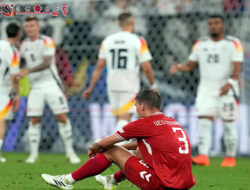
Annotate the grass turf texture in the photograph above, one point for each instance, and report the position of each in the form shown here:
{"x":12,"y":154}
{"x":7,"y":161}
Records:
{"x":17,"y":175}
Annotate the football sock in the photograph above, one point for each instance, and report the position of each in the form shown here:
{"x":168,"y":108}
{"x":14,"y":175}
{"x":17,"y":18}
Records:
{"x":34,"y":137}
{"x":92,"y":167}
{"x":65,"y":130}
{"x":1,"y":144}
{"x":230,"y":138}
{"x":119,"y":176}
{"x":205,"y":126}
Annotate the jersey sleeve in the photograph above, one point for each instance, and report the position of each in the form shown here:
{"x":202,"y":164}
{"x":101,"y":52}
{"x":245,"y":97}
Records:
{"x":101,"y":54}
{"x":136,"y":129}
{"x":15,"y":63}
{"x":238,"y":51}
{"x":194,"y":54}
{"x":144,"y":53}
{"x":49,"y":47}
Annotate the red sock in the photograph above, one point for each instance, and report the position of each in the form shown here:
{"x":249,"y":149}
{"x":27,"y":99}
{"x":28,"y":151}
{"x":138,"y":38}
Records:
{"x":119,"y":176}
{"x":92,"y":167}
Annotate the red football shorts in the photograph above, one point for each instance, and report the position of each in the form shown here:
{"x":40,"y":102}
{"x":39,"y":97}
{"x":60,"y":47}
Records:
{"x":142,"y":175}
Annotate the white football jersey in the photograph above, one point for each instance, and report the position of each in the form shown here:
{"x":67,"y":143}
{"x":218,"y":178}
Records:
{"x":34,"y":52}
{"x":9,"y":64}
{"x":123,"y":52}
{"x":215,"y":59}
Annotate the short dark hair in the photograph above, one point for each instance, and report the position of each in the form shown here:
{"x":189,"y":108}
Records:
{"x":31,"y":18}
{"x":217,"y":16}
{"x":151,"y":98}
{"x":12,"y":30}
{"x":123,"y":17}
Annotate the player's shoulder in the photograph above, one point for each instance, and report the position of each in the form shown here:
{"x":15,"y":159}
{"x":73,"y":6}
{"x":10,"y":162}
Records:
{"x":46,"y":38}
{"x":236,"y":43}
{"x":231,"y":38}
{"x":4,"y":43}
{"x":47,"y":41}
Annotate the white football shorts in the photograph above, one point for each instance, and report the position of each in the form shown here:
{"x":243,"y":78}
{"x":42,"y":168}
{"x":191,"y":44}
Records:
{"x":122,"y":102}
{"x":224,"y":107}
{"x":52,"y":95}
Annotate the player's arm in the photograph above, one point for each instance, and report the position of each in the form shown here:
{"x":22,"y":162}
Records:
{"x":233,"y":81}
{"x":44,"y":65}
{"x":190,"y":65}
{"x":130,"y":146}
{"x":95,"y":77}
{"x":149,"y":73}
{"x":237,"y":58}
{"x":103,"y":144}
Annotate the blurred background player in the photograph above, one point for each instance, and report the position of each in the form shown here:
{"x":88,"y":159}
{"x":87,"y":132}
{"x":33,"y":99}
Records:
{"x":123,"y":53}
{"x":38,"y":52}
{"x":164,"y":146}
{"x":9,"y":67}
{"x":220,"y":59}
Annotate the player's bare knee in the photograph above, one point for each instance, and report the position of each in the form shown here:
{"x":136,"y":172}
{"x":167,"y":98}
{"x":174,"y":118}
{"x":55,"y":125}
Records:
{"x":62,"y":118}
{"x":207,"y":117}
{"x":35,"y":120}
{"x":228,"y":120}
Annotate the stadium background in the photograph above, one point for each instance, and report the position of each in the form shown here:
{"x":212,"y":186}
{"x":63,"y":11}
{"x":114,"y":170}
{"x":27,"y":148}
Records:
{"x":170,"y":28}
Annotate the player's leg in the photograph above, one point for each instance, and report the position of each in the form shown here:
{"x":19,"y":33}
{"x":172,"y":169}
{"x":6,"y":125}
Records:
{"x":58,"y":103}
{"x":229,"y":112}
{"x":2,"y":133}
{"x":92,"y":167}
{"x":6,"y":113}
{"x":206,"y":111}
{"x":65,"y":131}
{"x":34,"y":112}
{"x":111,"y":181}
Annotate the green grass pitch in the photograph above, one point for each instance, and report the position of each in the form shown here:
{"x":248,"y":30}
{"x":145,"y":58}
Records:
{"x":16,"y":175}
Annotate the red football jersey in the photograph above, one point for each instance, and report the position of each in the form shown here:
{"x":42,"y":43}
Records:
{"x":165,"y":147}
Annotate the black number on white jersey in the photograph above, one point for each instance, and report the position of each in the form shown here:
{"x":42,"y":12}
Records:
{"x":32,"y":57}
{"x":213,"y":58}
{"x":119,"y":58}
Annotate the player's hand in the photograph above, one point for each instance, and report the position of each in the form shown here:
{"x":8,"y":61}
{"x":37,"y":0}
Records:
{"x":22,"y":73}
{"x":224,"y":89}
{"x":94,"y":149}
{"x":86,"y":93}
{"x":16,"y":103}
{"x":174,"y":68}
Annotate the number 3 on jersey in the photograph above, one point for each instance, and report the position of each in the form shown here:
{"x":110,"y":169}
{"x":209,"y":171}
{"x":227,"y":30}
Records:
{"x":119,"y":58}
{"x":182,"y":139}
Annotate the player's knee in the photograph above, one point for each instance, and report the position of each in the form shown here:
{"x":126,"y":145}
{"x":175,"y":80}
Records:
{"x":62,"y":118}
{"x":110,"y":153}
{"x":207,"y":117}
{"x":35,"y":120}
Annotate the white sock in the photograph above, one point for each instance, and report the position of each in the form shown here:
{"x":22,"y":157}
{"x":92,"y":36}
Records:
{"x":34,"y":137}
{"x":65,"y":130}
{"x":120,"y":124}
{"x":1,"y":144}
{"x":230,"y":138}
{"x":70,"y":179}
{"x":205,"y":126}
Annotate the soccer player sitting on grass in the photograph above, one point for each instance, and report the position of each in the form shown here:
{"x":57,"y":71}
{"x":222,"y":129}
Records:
{"x":164,"y":146}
